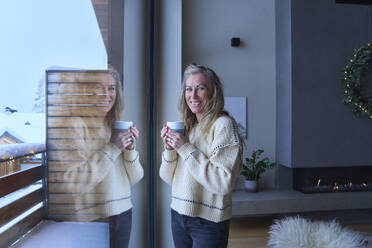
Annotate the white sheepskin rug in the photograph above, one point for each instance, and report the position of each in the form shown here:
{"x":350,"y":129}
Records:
{"x":296,"y":232}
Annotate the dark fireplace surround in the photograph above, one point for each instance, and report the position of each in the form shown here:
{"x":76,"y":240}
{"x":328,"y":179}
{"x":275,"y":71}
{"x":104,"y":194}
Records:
{"x":321,"y":145}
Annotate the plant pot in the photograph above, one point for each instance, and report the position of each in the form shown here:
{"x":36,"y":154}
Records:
{"x":250,"y":186}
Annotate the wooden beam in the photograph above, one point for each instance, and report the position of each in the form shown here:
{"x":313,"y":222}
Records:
{"x":74,"y":156}
{"x":73,"y":177}
{"x":78,"y":77}
{"x":83,"y":88}
{"x":20,"y":179}
{"x":71,"y":122}
{"x":73,"y":188}
{"x":14,"y":209}
{"x":66,"y":199}
{"x":60,"y":166}
{"x":14,"y":233}
{"x":75,"y":144}
{"x":77,"y":99}
{"x":70,"y":133}
{"x":81,"y":111}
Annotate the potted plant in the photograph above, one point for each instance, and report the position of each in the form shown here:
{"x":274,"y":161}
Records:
{"x":253,"y":168}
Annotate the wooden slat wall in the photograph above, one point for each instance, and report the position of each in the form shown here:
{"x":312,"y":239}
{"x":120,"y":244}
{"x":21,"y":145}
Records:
{"x":67,"y":92}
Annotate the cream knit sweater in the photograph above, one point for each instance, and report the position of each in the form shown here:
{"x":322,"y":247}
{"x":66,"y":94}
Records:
{"x":202,"y":172}
{"x":112,"y":194}
{"x":97,"y":187}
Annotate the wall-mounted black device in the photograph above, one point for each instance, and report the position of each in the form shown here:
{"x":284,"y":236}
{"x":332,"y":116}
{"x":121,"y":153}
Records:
{"x":235,"y":42}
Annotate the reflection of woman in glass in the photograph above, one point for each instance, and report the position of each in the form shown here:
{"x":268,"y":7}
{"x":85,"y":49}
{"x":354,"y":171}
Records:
{"x":202,"y":165}
{"x":109,"y":167}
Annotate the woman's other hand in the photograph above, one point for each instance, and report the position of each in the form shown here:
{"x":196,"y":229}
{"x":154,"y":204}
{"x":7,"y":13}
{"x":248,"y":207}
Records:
{"x":175,"y":139}
{"x":135,"y":134}
{"x":163,"y":135}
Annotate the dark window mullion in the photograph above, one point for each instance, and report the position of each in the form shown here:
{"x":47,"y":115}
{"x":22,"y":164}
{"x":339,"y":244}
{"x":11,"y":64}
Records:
{"x":151,"y":57}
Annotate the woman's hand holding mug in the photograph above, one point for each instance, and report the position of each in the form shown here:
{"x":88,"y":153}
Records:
{"x":163,"y":135}
{"x":174,"y":139}
{"x":125,"y":139}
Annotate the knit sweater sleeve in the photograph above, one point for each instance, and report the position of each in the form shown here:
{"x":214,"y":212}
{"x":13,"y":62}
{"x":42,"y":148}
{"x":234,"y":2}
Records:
{"x":218,"y":171}
{"x":93,"y":167}
{"x":168,"y":166}
{"x":132,"y":166}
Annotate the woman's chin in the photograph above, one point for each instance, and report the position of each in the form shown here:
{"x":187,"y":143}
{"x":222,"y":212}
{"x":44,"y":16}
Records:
{"x":105,"y":110}
{"x":196,"y":111}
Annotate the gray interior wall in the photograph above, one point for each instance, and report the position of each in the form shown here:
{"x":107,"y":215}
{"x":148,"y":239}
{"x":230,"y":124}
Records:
{"x":284,"y":81}
{"x":135,"y":102}
{"x":168,"y":82}
{"x":325,"y":133}
{"x":246,"y":71}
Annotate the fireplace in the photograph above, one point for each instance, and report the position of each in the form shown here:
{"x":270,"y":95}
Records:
{"x":332,"y":179}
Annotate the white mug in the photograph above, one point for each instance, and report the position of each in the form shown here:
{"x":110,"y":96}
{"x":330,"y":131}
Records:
{"x":177,"y":126}
{"x":122,"y":125}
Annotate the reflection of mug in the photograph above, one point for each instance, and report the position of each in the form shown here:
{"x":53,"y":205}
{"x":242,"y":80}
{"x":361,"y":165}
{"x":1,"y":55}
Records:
{"x":176,"y":126}
{"x":122,"y":125}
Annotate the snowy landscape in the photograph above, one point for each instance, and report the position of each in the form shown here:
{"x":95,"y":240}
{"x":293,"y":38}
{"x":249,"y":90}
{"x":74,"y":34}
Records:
{"x":42,"y":36}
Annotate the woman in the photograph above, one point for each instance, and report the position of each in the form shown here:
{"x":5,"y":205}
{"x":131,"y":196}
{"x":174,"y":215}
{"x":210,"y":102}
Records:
{"x":202,"y":165}
{"x":109,"y":167}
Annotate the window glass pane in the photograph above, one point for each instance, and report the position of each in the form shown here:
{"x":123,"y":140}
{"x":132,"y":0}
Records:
{"x":38,"y":36}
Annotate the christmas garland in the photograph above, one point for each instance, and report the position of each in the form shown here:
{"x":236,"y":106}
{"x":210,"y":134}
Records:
{"x":360,"y":102}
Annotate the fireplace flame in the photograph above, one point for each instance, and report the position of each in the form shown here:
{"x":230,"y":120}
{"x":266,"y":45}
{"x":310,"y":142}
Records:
{"x":335,"y":186}
{"x":349,"y":185}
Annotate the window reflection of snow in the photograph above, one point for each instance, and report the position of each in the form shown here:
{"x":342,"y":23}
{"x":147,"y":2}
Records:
{"x":45,"y":34}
